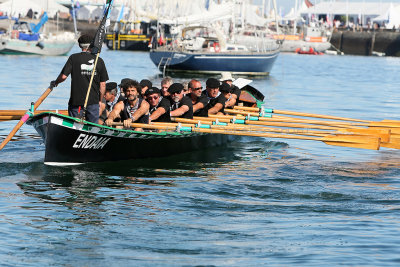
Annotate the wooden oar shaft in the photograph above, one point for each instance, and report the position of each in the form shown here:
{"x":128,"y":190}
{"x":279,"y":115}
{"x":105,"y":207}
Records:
{"x":241,"y":127}
{"x":302,"y":114}
{"x":291,"y":119}
{"x":273,"y":123}
{"x":25,"y":118}
{"x":382,"y":133}
{"x":22,"y":112}
{"x":18,"y":117}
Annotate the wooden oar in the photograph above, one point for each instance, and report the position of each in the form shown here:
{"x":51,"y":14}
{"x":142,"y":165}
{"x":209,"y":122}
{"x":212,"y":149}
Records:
{"x":384,"y":134}
{"x":26,"y":117}
{"x":346,"y":140}
{"x":22,"y":112}
{"x":394,"y":123}
{"x":18,"y":117}
{"x":255,"y":116}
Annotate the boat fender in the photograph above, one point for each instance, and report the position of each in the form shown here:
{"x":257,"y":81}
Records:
{"x":40,"y":45}
{"x":217,"y":48}
{"x":14,"y":34}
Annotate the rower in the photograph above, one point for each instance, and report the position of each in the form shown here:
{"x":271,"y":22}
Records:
{"x":199,"y":101}
{"x":145,"y":84}
{"x":159,"y":106}
{"x":216,"y":101}
{"x":111,"y":98}
{"x":122,"y":86}
{"x":181,"y":106}
{"x":225,"y":90}
{"x":132,"y":109}
{"x":226,"y":77}
{"x":165,"y":84}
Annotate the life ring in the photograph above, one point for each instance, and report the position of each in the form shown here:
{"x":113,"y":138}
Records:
{"x":217,"y":48}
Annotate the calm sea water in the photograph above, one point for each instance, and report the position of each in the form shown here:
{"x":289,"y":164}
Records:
{"x":253,"y":202}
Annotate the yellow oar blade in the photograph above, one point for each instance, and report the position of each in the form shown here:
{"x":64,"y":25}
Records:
{"x":393,"y":143}
{"x":383,"y":134}
{"x":357,"y":141}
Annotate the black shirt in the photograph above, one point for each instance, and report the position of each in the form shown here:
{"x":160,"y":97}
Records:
{"x":236,"y":91}
{"x":200,"y":112}
{"x":212,"y":102}
{"x":80,"y":66}
{"x":164,"y":103}
{"x":185,"y":101}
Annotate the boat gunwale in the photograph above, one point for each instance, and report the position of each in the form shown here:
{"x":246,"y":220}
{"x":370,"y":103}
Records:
{"x":73,"y":119}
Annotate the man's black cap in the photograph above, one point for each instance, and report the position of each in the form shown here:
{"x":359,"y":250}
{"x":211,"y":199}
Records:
{"x":175,"y":88}
{"x":212,"y":83}
{"x":225,"y":88}
{"x":123,"y":81}
{"x":152,"y":90}
{"x":110,"y":86}
{"x":145,"y":82}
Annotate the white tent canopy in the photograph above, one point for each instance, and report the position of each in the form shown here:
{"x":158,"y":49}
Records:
{"x":51,"y":7}
{"x":351,"y":8}
{"x":391,"y":17}
{"x":19,"y":7}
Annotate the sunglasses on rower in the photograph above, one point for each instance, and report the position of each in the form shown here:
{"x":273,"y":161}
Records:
{"x":153,"y":97}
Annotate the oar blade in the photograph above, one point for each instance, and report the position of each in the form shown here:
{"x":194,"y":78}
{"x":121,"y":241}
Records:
{"x":383,"y":134}
{"x":394,"y":142}
{"x":356,"y":141}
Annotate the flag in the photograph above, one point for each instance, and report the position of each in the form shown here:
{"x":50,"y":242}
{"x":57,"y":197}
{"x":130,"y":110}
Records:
{"x":101,"y":31}
{"x":121,"y":13}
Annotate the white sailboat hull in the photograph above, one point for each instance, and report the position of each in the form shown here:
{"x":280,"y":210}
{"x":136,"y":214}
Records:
{"x":55,"y":45}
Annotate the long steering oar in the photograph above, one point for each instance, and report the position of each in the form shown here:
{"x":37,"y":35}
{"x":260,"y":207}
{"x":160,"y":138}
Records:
{"x":27,"y":115}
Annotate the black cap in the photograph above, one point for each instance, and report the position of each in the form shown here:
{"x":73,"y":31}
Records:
{"x":152,"y":90}
{"x":225,"y":88}
{"x":145,"y":82}
{"x":110,"y":86}
{"x":212,"y":83}
{"x":123,"y":81}
{"x":175,"y":88}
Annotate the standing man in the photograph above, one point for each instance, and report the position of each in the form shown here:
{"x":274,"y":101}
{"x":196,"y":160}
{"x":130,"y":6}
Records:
{"x":181,"y":105}
{"x":80,"y":66}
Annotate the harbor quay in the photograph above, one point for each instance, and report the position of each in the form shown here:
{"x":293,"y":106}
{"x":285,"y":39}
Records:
{"x":367,"y":43}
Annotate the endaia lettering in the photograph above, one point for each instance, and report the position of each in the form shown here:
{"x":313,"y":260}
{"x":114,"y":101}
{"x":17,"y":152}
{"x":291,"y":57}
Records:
{"x":86,"y":141}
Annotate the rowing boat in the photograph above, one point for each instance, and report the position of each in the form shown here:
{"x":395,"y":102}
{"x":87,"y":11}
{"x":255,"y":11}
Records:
{"x":68,"y":141}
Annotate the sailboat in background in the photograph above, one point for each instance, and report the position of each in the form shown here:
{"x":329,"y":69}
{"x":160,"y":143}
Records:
{"x":29,"y":38}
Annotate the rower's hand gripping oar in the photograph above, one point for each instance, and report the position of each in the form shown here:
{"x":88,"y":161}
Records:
{"x":27,"y":115}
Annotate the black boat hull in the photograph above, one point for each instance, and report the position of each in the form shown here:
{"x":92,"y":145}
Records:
{"x":69,"y":142}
